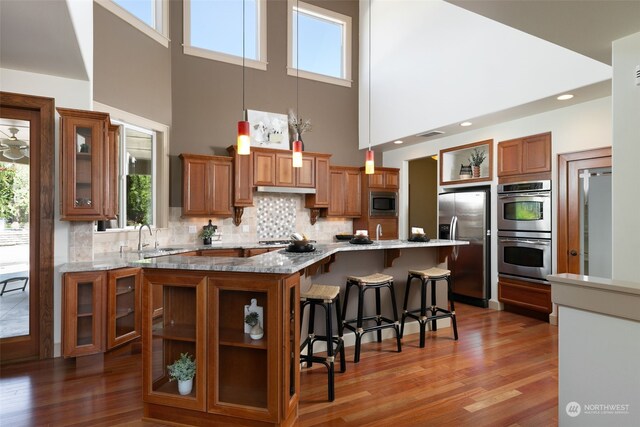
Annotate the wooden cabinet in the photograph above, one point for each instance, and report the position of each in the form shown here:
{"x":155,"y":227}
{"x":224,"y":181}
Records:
{"x":88,"y":166}
{"x":83,"y":307}
{"x":275,"y":168}
{"x":321,"y":198}
{"x":384,"y":178}
{"x":345,"y":192}
{"x":101,"y":310}
{"x":179,"y":326}
{"x":531,"y":154}
{"x":529,"y":297}
{"x":123,"y":306}
{"x":221,"y":252}
{"x":237,"y":378}
{"x":242,"y":178}
{"x":206,"y":185}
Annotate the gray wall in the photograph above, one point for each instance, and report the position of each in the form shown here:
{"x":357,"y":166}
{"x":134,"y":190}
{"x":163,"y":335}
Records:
{"x":132,"y":72}
{"x":207,"y":95}
{"x":423,"y":195}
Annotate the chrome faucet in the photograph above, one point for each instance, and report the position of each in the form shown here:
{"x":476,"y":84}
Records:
{"x":378,"y":231}
{"x":156,"y":244}
{"x":140,"y":245}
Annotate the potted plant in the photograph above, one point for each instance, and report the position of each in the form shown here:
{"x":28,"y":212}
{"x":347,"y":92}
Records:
{"x":253,"y":319}
{"x":183,"y":370}
{"x":206,"y":234}
{"x":476,"y":159}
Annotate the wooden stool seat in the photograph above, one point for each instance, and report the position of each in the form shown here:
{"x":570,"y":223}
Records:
{"x":432,"y":273}
{"x":320,"y":292}
{"x":372,"y":279}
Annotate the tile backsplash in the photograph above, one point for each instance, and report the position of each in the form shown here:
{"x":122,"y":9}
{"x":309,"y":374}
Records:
{"x":273,"y":216}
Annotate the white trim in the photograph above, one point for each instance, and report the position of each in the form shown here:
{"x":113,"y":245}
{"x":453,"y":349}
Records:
{"x":328,"y":15}
{"x":261,"y":42}
{"x":161,"y":158}
{"x":161,"y":14}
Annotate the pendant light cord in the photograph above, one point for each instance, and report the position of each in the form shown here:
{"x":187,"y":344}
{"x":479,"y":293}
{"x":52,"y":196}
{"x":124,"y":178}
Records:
{"x":369,"y":110}
{"x":298,"y":64}
{"x":243,"y":53}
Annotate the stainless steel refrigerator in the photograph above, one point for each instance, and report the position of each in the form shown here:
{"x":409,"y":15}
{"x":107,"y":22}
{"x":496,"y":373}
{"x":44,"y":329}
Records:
{"x":465,"y":215}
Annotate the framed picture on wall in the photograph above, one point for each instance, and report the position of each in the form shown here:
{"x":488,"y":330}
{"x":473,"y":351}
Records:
{"x":270,"y":130}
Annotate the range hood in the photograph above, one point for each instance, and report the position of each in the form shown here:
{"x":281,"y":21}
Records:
{"x":293,"y":190}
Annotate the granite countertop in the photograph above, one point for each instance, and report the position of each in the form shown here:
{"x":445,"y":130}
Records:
{"x":276,"y":262}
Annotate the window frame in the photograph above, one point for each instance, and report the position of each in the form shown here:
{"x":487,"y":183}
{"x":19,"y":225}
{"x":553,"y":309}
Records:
{"x":261,"y":33}
{"x":160,"y":160}
{"x":330,"y":15}
{"x":159,"y":33}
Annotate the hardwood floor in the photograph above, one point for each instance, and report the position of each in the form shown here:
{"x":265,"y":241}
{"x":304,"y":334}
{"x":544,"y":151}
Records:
{"x":502,"y":372}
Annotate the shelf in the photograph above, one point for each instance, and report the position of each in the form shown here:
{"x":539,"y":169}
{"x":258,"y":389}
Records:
{"x":176,"y":332}
{"x":124,"y":313}
{"x":452,"y":159}
{"x":85,"y":341}
{"x":171,"y":387}
{"x":83,"y":156}
{"x":237,"y":338}
{"x":122,"y":291}
{"x":85,"y":310}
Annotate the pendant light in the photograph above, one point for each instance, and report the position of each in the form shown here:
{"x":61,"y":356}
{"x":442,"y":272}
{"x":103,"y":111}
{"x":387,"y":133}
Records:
{"x":244,"y":139}
{"x":297,"y":144}
{"x":369,"y":162}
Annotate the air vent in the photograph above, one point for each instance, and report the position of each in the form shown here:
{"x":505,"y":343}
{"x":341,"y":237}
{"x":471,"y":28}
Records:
{"x":430,"y":134}
{"x":638,"y":75}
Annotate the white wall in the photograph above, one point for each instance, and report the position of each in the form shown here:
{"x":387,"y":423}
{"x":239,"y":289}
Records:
{"x":626,"y":158}
{"x":444,"y":65}
{"x":579,"y":127}
{"x":67,"y":93}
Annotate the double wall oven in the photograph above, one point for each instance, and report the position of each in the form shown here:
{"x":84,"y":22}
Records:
{"x":524,"y":230}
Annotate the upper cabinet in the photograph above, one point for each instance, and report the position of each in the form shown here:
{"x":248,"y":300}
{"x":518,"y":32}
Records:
{"x":467,"y":163}
{"x":275,"y":168}
{"x":321,"y":198}
{"x":206,"y":185}
{"x":88,"y":166}
{"x":384,"y":179}
{"x":344,"y":189}
{"x":528,"y":155}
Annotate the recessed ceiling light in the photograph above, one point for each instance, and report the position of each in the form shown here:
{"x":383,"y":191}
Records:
{"x":465,"y":124}
{"x":398,"y":141}
{"x":564,"y":97}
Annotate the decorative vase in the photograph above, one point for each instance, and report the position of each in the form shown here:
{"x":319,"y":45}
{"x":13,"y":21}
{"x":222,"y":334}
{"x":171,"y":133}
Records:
{"x":476,"y":171}
{"x":184,"y":387}
{"x":206,"y":240}
{"x":256,"y":332}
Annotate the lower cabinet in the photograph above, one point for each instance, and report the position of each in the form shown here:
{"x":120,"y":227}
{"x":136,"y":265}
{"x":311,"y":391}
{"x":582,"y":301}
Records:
{"x":520,"y":294}
{"x":101,"y":310}
{"x":256,"y":380}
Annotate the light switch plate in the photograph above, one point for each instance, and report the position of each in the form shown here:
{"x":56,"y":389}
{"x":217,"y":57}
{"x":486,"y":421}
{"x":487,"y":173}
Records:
{"x":192,"y":229}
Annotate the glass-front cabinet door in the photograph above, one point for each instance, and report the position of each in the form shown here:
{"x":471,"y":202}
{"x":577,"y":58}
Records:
{"x":124,"y":306}
{"x":174,"y":324}
{"x":243,"y":378}
{"x":83,"y":308}
{"x":84,"y":136}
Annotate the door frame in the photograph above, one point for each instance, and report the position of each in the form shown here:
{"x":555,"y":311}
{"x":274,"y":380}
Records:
{"x":565,"y":187}
{"x":41,"y":223}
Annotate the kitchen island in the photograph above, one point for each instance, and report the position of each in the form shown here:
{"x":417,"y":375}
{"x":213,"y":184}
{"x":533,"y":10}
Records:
{"x":196,"y":305}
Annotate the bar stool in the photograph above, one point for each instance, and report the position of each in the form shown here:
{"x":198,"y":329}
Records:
{"x":431,"y":274}
{"x":375,"y":281}
{"x":324,"y":296}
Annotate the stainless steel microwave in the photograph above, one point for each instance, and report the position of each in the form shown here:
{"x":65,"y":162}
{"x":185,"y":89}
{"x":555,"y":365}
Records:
{"x":383,"y":203}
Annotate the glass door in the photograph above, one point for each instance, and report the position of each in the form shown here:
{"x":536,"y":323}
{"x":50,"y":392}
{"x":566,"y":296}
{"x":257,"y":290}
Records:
{"x":595,"y":222}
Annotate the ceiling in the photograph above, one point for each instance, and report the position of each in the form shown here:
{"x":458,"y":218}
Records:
{"x":48,"y":36}
{"x":584,"y":26}
{"x":587,"y":27}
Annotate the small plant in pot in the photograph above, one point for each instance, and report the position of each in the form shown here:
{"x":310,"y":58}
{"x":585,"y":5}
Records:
{"x":206,"y":234}
{"x":476,"y":159}
{"x":183,"y":370}
{"x":253,"y":319}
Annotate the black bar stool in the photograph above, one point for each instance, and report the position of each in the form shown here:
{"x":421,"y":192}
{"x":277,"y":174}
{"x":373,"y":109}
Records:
{"x":324,"y":296}
{"x":432,"y":274}
{"x":375,"y":281}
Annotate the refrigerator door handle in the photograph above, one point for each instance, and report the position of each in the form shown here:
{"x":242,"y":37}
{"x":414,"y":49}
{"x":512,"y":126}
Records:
{"x":454,"y":232}
{"x":451,"y":227}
